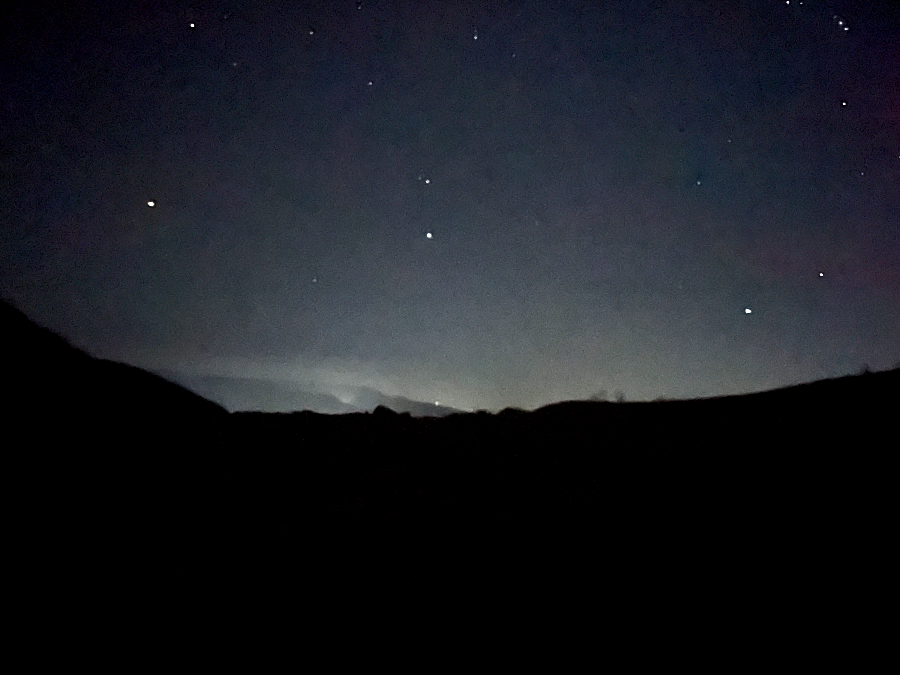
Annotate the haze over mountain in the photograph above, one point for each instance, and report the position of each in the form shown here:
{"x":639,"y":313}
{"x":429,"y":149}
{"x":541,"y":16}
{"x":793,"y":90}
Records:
{"x":47,"y":367}
{"x":273,"y":395}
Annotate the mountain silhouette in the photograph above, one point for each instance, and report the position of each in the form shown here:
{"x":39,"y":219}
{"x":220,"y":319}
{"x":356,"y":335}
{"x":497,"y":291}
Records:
{"x":121,"y":479}
{"x":369,"y":399}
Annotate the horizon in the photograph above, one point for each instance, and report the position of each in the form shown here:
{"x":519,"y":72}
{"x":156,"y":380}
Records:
{"x":22,"y":331}
{"x":485,"y":205}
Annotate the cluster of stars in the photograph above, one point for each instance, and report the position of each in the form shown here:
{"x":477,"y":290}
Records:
{"x":840,"y":22}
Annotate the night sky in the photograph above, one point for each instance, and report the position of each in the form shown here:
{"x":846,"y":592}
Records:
{"x":482,"y":203}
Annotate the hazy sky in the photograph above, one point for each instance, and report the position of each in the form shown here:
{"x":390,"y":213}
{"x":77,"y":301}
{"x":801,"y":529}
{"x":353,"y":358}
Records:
{"x":486,"y":203}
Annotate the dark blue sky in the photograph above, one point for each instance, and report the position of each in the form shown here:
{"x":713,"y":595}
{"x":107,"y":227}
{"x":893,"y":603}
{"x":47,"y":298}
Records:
{"x":483,"y":203}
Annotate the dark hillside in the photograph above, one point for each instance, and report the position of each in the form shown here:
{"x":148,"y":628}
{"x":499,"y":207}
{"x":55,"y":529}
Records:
{"x":49,"y":385}
{"x":120,"y":479}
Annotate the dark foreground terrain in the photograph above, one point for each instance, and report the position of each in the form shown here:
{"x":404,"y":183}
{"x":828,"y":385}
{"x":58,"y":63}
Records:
{"x":768,"y":517}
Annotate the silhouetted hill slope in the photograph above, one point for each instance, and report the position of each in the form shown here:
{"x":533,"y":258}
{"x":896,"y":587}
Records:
{"x":53,"y":385}
{"x":57,"y":377}
{"x":28,"y":347}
